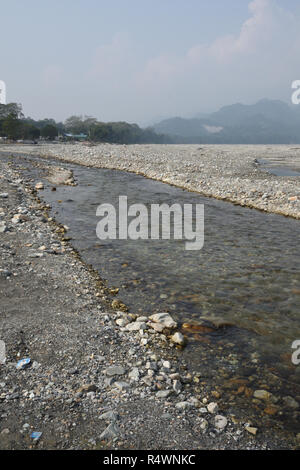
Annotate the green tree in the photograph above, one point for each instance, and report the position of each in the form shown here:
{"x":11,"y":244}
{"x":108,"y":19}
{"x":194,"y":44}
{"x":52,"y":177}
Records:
{"x":29,"y":131}
{"x":49,"y":131}
{"x":11,"y":127}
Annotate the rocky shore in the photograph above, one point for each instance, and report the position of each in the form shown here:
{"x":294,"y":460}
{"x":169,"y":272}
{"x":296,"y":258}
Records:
{"x":98,"y":376}
{"x":231,"y":173}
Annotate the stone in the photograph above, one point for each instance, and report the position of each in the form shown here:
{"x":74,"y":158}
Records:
{"x":165,"y":319}
{"x":39,"y":185}
{"x":111,"y":432}
{"x":163,"y":393}
{"x":177,"y":386}
{"x":203,"y":424}
{"x":16,"y":219}
{"x":290,"y":402}
{"x":136,"y":326}
{"x":142,"y":319}
{"x":220,"y":422}
{"x":121,"y":322}
{"x":3,"y":227}
{"x":109,"y":416}
{"x":262,"y":395}
{"x":115,"y":370}
{"x":212,"y":407}
{"x":178,"y":338}
{"x":183,"y":405}
{"x":121,"y":385}
{"x":4,"y":195}
{"x":134,"y":374}
{"x":159,"y":327}
{"x":167,"y":364}
{"x":251,"y":430}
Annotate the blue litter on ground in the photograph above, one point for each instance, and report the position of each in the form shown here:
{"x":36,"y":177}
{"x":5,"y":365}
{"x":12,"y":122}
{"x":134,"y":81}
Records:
{"x":36,"y":435}
{"x":23,"y":363}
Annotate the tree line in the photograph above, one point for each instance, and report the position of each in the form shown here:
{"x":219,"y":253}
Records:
{"x":15,"y":126}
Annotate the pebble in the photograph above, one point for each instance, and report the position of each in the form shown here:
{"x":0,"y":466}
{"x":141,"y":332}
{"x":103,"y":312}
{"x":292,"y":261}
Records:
{"x":251,"y":430}
{"x":121,"y":385}
{"x":220,"y":422}
{"x":164,"y":319}
{"x":115,"y":370}
{"x":3,"y":227}
{"x":109,"y":416}
{"x":212,"y":407}
{"x":203,"y":424}
{"x":178,"y":338}
{"x":183,"y":405}
{"x":290,"y":402}
{"x":177,"y":386}
{"x":134,"y":374}
{"x":121,"y":322}
{"x":136,"y":326}
{"x":163,"y":393}
{"x":111,"y":432}
{"x":262,"y":395}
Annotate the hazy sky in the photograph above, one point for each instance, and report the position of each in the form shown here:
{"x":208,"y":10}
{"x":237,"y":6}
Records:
{"x":141,"y":60}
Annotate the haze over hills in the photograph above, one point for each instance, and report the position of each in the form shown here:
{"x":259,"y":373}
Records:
{"x":266,"y":122}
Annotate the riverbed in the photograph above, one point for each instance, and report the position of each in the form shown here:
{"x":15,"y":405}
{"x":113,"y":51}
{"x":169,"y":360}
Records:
{"x":238,"y":297}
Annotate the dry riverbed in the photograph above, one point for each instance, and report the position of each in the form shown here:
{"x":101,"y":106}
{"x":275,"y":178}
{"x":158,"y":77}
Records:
{"x":228,"y":172}
{"x":99,"y":377}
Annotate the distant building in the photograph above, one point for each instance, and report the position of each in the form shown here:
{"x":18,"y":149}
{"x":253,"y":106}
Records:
{"x":76,"y":136}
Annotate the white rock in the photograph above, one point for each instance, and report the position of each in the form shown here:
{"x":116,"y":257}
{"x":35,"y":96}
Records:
{"x":165,"y":319}
{"x":159,"y":327}
{"x":178,"y":338}
{"x":121,"y":322}
{"x":220,"y":422}
{"x":212,"y":407}
{"x":167,"y":364}
{"x":136,"y":326}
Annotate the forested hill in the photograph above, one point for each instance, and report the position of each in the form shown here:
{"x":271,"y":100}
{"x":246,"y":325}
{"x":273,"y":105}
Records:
{"x":266,"y":122}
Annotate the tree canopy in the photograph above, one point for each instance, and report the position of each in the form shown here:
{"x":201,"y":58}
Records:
{"x":14,"y":125}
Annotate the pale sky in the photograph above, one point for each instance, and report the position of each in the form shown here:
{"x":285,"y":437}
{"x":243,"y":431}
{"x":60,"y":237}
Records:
{"x":141,"y":60}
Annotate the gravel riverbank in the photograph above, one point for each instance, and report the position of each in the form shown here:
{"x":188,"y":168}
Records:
{"x":99,"y":377}
{"x":227,"y":172}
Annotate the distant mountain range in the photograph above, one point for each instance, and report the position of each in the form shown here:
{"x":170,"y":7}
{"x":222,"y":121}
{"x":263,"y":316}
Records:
{"x":266,"y":122}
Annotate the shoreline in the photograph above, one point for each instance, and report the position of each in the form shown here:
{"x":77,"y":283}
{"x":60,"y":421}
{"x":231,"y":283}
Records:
{"x":228,"y":173}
